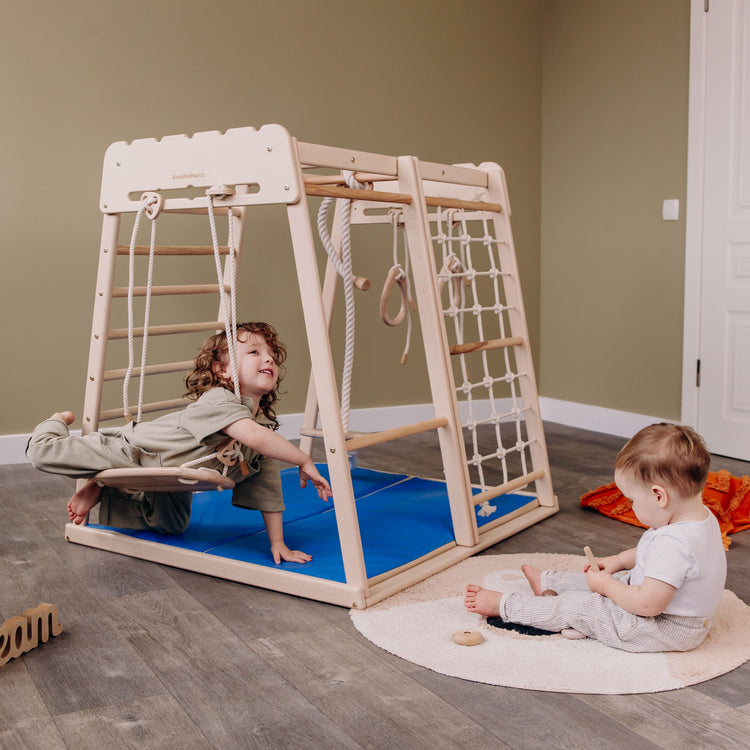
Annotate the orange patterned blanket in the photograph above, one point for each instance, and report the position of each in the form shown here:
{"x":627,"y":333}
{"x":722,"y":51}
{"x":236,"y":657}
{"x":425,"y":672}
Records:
{"x":727,"y":496}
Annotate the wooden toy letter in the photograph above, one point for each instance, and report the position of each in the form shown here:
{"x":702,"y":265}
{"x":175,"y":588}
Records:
{"x":20,"y":634}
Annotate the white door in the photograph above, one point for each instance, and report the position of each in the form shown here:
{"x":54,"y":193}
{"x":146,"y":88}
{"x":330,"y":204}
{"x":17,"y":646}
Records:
{"x":722,"y":392}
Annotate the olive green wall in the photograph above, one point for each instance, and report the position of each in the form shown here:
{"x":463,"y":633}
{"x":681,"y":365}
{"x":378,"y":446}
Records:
{"x":446,"y":81}
{"x":615,"y":110}
{"x":583,"y":102}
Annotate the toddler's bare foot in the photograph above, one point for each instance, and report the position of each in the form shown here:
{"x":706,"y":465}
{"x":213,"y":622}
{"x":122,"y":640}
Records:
{"x":485,"y":602}
{"x":83,"y":501}
{"x":534,"y":577}
{"x":67,"y":416}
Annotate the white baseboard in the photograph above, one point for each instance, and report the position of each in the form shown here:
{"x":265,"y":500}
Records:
{"x":595,"y":418}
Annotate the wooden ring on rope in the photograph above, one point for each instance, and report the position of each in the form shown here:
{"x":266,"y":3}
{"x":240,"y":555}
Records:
{"x":395,"y":276}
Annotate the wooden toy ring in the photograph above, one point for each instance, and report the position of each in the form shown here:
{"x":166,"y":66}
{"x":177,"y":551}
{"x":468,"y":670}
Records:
{"x":395,"y":277}
{"x":468,"y":637}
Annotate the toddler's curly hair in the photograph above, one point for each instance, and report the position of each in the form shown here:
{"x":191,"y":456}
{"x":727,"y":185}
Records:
{"x":214,"y":351}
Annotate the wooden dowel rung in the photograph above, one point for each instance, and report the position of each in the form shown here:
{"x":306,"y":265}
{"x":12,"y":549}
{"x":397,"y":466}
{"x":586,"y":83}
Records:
{"x":218,"y":211}
{"x":338,"y":179}
{"x":175,"y":403}
{"x":162,"y":369}
{"x":479,"y":346}
{"x":466,"y":205}
{"x":122,"y":333}
{"x":503,"y":489}
{"x":160,"y":291}
{"x":333,"y":191}
{"x":172,"y":250}
{"x":375,"y":438}
{"x":316,"y":432}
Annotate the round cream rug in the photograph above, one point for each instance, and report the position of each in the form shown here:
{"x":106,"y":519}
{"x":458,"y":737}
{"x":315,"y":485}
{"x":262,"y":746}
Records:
{"x":418,"y":623}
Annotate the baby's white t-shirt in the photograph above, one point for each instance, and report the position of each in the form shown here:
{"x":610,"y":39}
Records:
{"x":690,"y":556}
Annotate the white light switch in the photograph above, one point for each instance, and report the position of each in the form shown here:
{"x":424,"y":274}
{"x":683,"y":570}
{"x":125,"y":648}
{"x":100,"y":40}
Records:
{"x":670,"y":210}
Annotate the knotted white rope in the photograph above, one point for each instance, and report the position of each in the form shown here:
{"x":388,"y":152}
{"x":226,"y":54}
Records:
{"x":151,"y":204}
{"x":228,"y":454}
{"x":398,"y":275}
{"x":343,"y":265}
{"x":228,"y":303}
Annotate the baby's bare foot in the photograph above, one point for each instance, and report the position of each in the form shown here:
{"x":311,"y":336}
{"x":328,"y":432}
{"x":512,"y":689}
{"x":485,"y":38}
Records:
{"x":484,"y":602}
{"x":83,"y":501}
{"x":534,"y":577}
{"x":67,"y":416}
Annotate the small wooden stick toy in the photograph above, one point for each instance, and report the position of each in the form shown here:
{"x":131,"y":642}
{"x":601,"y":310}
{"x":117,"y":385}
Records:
{"x":590,"y":558}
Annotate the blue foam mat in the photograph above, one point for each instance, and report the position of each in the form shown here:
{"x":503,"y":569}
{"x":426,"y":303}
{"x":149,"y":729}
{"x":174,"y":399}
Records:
{"x":401,"y":518}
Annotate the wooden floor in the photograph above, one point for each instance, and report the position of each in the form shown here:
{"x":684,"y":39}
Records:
{"x":155,"y":657}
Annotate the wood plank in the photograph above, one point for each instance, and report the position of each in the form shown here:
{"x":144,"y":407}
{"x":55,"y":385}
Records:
{"x":142,"y":641}
{"x":336,"y":671}
{"x":231,"y":694}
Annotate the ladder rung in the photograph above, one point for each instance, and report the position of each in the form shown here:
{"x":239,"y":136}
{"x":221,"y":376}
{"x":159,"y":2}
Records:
{"x":172,"y":250}
{"x":175,"y":403}
{"x":122,"y":333}
{"x":334,"y":191}
{"x":479,"y":346}
{"x":156,"y":291}
{"x":316,"y":432}
{"x":375,"y":438}
{"x":149,"y":370}
{"x":435,"y":202}
{"x":502,"y":489}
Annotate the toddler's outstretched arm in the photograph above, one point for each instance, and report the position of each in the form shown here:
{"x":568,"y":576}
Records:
{"x":271,"y":444}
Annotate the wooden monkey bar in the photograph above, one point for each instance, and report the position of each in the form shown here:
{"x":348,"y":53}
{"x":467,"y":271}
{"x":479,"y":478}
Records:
{"x":502,"y":489}
{"x":375,"y":438}
{"x":336,"y":191}
{"x":480,"y":346}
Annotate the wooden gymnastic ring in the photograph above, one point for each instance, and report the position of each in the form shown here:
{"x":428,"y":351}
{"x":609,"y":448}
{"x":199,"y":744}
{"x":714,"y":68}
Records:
{"x":395,"y":276}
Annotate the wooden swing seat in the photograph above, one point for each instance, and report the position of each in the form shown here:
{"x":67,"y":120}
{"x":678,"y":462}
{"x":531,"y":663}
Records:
{"x":165,"y":479}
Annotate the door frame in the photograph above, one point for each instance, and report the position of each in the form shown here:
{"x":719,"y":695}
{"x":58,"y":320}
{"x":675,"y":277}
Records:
{"x":691,"y":344}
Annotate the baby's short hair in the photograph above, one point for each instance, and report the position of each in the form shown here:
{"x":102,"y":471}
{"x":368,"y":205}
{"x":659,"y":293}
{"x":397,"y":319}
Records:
{"x":670,"y":454}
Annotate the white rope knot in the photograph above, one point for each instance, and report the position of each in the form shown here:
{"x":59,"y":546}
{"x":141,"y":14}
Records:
{"x":228,"y":454}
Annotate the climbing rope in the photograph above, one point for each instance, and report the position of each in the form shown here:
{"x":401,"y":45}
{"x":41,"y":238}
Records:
{"x":151,"y":205}
{"x":228,"y":305}
{"x":343,"y":265}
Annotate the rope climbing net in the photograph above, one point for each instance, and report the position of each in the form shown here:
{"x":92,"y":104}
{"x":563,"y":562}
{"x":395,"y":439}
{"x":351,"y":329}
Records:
{"x":473,"y":299}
